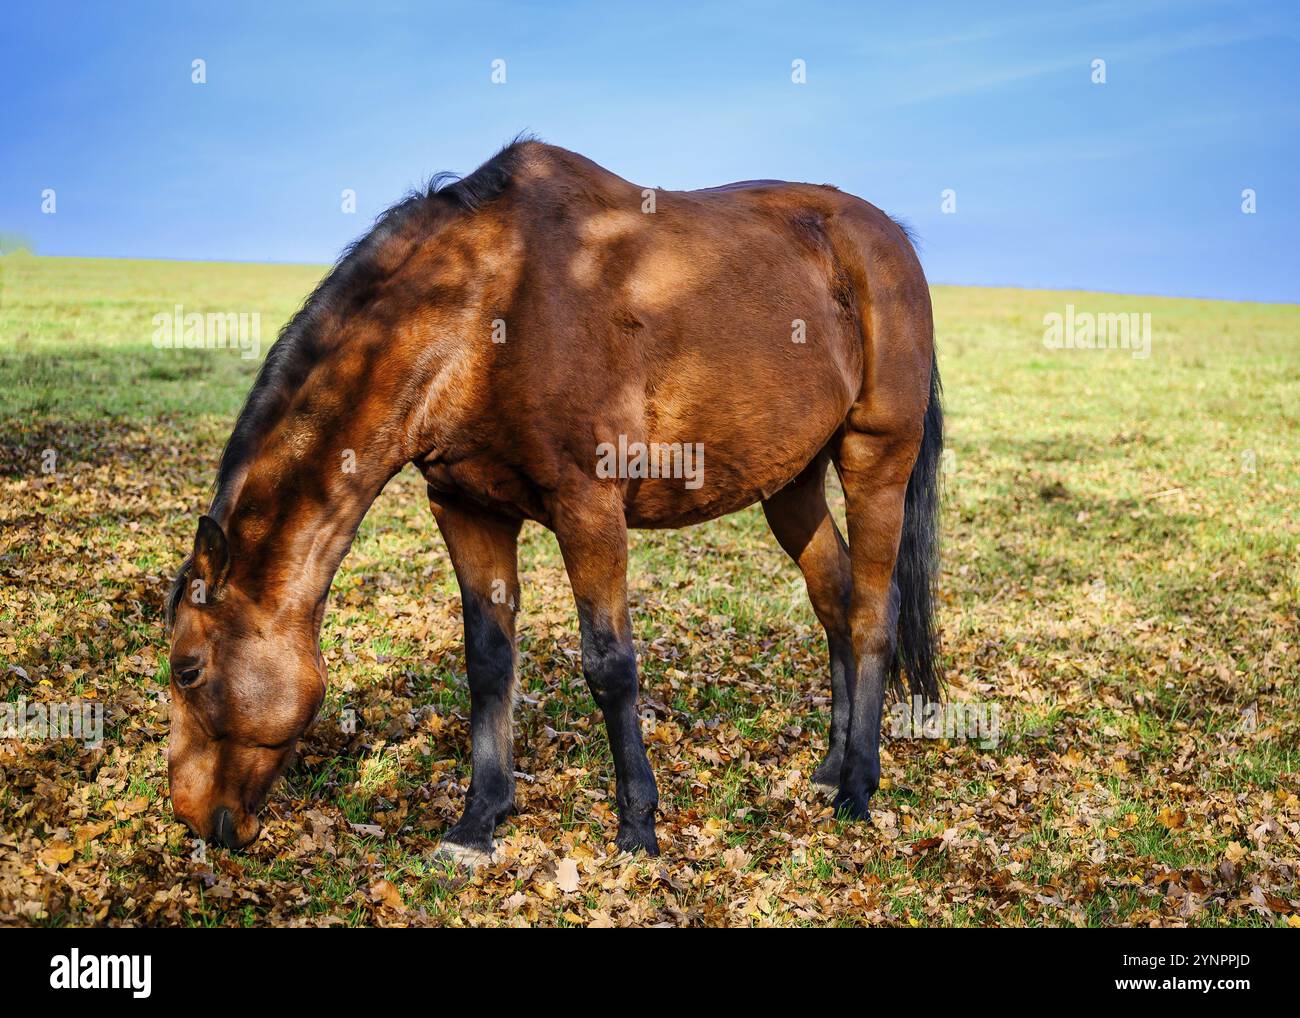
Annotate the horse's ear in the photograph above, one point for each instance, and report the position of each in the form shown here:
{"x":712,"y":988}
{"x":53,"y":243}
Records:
{"x":211,"y":559}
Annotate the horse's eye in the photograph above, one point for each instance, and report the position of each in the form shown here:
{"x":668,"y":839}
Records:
{"x":187,"y":677}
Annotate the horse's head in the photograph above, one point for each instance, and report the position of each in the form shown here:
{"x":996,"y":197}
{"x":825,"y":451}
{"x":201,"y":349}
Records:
{"x":246,"y":682}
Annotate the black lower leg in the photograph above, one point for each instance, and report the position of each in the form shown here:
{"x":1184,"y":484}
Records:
{"x":860,"y":772}
{"x":489,"y":658}
{"x":842,"y":673}
{"x":609,"y":664}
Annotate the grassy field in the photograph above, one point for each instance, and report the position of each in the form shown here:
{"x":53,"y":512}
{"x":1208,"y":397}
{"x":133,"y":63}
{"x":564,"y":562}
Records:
{"x":1120,"y":583}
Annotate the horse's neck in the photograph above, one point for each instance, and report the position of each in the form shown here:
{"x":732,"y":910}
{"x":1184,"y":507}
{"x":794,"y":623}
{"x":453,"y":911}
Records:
{"x":321,"y":465}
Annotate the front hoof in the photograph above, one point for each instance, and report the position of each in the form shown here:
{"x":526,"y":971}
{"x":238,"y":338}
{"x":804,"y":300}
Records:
{"x":826,"y":778}
{"x":469,"y":857}
{"x":631,"y":839}
{"x":849,"y":806}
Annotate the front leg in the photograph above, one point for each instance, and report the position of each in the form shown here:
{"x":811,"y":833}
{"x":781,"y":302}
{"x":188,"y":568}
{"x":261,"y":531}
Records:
{"x":483,"y":550}
{"x":592,"y":533}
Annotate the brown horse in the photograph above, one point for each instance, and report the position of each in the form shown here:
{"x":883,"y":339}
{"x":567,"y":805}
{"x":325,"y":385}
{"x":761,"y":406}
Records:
{"x":546,"y":341}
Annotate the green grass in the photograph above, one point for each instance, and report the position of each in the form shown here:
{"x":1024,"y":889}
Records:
{"x":1120,"y":580}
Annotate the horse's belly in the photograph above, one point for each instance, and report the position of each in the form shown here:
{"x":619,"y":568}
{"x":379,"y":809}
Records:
{"x":724,"y":458}
{"x":655,"y":504}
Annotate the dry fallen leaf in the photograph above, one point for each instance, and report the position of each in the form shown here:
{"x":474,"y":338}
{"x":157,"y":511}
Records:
{"x":1173,"y":819}
{"x":57,"y":853}
{"x":385,"y":892}
{"x":566,"y":876}
{"x":85,"y":835}
{"x":373,"y":830}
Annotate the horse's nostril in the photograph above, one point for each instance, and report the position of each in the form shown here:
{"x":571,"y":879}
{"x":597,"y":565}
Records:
{"x":223,"y":828}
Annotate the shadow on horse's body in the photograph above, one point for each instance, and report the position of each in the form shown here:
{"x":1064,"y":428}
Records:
{"x":547,"y":341}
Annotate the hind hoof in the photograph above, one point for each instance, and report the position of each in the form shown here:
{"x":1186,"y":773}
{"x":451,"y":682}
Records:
{"x":852,"y":807}
{"x":632,"y":840}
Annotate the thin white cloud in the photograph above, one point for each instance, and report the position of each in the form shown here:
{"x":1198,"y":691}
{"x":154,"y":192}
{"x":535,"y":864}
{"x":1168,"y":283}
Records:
{"x":1151,"y":48}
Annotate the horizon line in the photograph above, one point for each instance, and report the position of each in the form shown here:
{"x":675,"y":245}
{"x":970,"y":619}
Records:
{"x":326,"y":266}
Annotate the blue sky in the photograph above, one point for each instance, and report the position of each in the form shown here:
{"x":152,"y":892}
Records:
{"x":1132,"y":186}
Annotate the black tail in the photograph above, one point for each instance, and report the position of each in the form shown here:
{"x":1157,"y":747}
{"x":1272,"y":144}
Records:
{"x":917,"y":570}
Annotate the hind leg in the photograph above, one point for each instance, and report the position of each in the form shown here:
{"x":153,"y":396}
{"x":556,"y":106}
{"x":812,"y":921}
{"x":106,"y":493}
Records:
{"x":874,"y":461}
{"x":874,"y":474}
{"x":803,"y":525}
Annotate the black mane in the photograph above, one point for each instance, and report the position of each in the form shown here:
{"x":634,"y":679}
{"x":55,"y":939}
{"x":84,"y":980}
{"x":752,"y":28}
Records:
{"x":485,"y":184}
{"x":348,"y":284}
